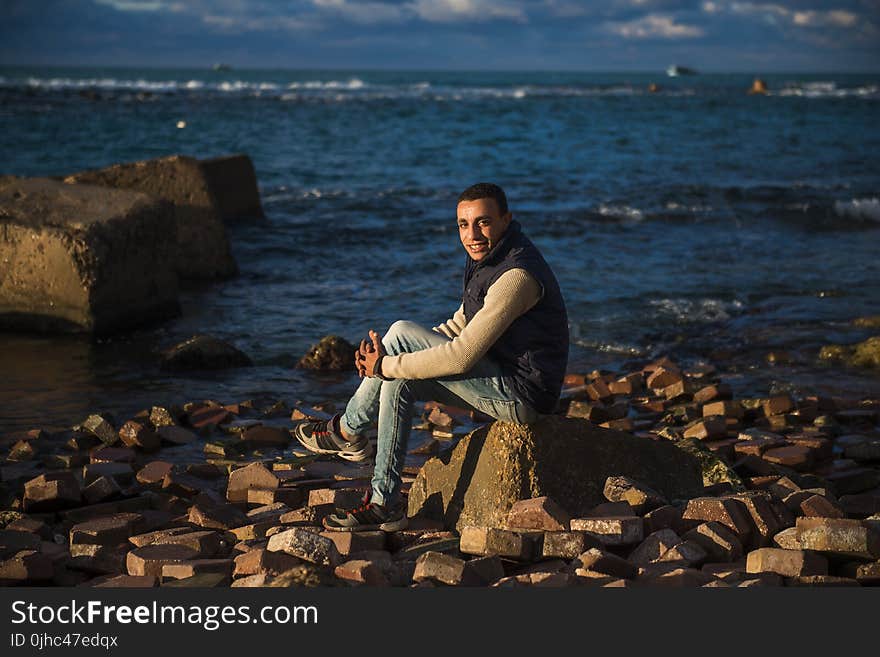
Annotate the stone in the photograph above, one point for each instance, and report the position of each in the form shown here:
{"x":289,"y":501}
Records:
{"x":207,"y":418}
{"x":662,"y":378}
{"x":26,"y":566}
{"x":712,"y":393}
{"x":598,"y":390}
{"x":108,"y":530}
{"x":712,"y":427}
{"x":263,"y":436}
{"x":222,"y":517}
{"x":687,"y":552}
{"x":622,"y":530}
{"x":126,"y":582}
{"x":150,"y":559}
{"x":724,"y":511}
{"x":788,"y":563}
{"x":50,"y":492}
{"x":101,"y":489}
{"x":195,"y":567}
{"x":351,"y":542}
{"x":260,"y":560}
{"x":566,"y":545}
{"x":83,"y":259}
{"x":361,"y":572}
{"x":292,"y":497}
{"x":765,"y":521}
{"x":838,"y":536}
{"x":162,"y":417}
{"x":174,"y":435}
{"x":718,"y":541}
{"x":306,"y":545}
{"x":444,"y":569}
{"x":233,"y":184}
{"x":202,"y":249}
{"x":120,"y":472}
{"x":654,"y":546}
{"x":157,"y":536}
{"x":787,"y":539}
{"x":487,"y":570}
{"x":153,"y":473}
{"x":725,"y":408}
{"x":486,"y":541}
{"x":796,"y":457}
{"x":255,"y":475}
{"x":566,"y":459}
{"x":206,"y":544}
{"x":343,"y":498}
{"x":100,"y":428}
{"x":98,"y":559}
{"x":137,"y":435}
{"x":538,"y":513}
{"x":332,"y":353}
{"x":606,"y":563}
{"x":640,"y":497}
{"x":664,"y":517}
{"x":203,"y":352}
{"x":819,"y":506}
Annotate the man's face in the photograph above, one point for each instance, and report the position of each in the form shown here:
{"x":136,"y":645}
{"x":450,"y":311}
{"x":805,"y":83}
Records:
{"x":480,"y":226}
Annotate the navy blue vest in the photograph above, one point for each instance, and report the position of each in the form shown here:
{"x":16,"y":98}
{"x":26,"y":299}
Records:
{"x":533,"y":351}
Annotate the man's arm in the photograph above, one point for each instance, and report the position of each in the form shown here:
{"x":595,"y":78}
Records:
{"x":515,"y":292}
{"x":452,"y":327}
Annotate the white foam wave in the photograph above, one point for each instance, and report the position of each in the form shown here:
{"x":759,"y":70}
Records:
{"x":700,"y":310}
{"x":622,"y":212}
{"x":827,"y":90}
{"x":859,"y":208}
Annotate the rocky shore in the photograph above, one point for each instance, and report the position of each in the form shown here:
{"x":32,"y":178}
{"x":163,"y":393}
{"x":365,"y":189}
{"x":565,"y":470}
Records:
{"x":650,"y":477}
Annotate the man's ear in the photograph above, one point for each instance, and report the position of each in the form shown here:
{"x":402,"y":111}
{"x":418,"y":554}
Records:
{"x":505,"y":218}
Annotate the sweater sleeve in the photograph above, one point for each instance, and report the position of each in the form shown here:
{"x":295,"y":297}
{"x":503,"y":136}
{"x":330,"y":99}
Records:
{"x":514,"y":293}
{"x":453,"y":326}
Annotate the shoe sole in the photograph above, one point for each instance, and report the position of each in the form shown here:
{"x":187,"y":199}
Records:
{"x":349,"y":455}
{"x":392,"y":526}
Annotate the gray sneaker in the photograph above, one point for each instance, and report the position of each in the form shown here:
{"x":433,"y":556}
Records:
{"x":367,"y":517}
{"x":324,"y":437}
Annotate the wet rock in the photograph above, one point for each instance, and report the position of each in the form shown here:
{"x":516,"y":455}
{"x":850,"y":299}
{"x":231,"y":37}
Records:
{"x":83,"y":258}
{"x":332,"y":353}
{"x":204,"y":352}
{"x":50,"y":492}
{"x":759,"y":87}
{"x":566,"y":459}
{"x":202,"y":248}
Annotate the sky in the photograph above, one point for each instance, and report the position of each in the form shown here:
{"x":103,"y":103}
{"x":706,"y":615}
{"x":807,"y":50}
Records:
{"x":606,"y":35}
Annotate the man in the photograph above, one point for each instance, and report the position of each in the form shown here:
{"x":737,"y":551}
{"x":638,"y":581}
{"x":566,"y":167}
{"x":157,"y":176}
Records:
{"x":503,"y":352}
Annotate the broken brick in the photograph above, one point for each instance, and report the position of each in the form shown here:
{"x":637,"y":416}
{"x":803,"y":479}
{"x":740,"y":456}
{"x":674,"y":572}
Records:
{"x":600,"y":561}
{"x":444,"y":569}
{"x":255,"y":475}
{"x":566,"y":545}
{"x":726,"y":408}
{"x":719,"y":542}
{"x":264,"y":436}
{"x":788,"y":563}
{"x":538,"y":513}
{"x":195,"y":567}
{"x":687,"y":552}
{"x":101,"y":489}
{"x":847,"y":537}
{"x":260,"y":560}
{"x":174,"y":435}
{"x":621,"y":530}
{"x":725,"y":511}
{"x":796,"y":457}
{"x":135,"y":434}
{"x":712,"y":393}
{"x":639,"y":496}
{"x":361,"y":571}
{"x":654,"y":546}
{"x":820,"y":507}
{"x":487,"y":541}
{"x":712,"y":427}
{"x":305,"y":545}
{"x":25,"y":566}
{"x":222,"y":517}
{"x":778,"y":405}
{"x":150,"y":559}
{"x":108,"y":530}
{"x":100,"y":428}
{"x":50,"y":492}
{"x":153,"y":473}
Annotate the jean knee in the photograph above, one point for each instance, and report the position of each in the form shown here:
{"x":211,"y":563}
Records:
{"x":394,"y":338}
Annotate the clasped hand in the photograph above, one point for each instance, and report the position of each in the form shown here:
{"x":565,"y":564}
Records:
{"x":366,"y":358}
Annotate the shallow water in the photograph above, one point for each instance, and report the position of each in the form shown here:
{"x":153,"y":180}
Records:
{"x":685,"y":222}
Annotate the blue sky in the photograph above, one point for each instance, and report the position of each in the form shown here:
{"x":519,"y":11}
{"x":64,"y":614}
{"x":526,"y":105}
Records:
{"x":607,"y":35}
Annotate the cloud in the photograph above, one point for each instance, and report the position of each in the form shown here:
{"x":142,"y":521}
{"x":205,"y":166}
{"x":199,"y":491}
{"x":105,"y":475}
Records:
{"x":364,"y":12}
{"x":654,"y":26}
{"x":774,"y":12}
{"x":453,"y":11}
{"x":833,"y":18}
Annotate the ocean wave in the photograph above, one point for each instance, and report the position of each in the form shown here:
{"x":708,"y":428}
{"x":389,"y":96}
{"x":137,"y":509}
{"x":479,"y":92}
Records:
{"x":860,"y":209}
{"x":827,"y":89}
{"x":624,"y":212}
{"x":699,"y":310}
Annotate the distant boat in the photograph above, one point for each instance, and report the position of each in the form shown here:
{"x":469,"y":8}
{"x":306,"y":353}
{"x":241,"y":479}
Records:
{"x":222,"y":67}
{"x":674,"y":71}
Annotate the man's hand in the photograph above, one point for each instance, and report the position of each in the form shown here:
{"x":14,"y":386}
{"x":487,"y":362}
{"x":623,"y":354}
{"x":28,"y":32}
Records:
{"x":368,"y":356}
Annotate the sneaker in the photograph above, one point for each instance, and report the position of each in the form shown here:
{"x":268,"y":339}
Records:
{"x":367,"y":517}
{"x":324,"y":437}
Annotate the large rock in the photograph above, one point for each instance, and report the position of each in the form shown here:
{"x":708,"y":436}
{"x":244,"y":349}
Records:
{"x":203,"y":352}
{"x":203,"y":247}
{"x":567,"y":459}
{"x":83,"y":258}
{"x":233,"y":182}
{"x":332,"y":353}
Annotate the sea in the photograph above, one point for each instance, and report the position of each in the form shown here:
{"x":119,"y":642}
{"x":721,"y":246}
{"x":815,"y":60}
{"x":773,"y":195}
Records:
{"x":688,"y":219}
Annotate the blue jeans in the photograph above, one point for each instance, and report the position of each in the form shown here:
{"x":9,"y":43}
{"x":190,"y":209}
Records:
{"x":392,"y":403}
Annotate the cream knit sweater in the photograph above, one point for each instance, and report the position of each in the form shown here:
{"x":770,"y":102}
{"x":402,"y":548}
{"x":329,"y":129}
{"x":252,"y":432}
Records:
{"x":515,"y":292}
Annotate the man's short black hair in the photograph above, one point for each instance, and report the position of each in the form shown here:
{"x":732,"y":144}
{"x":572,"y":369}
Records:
{"x":486,"y":190}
